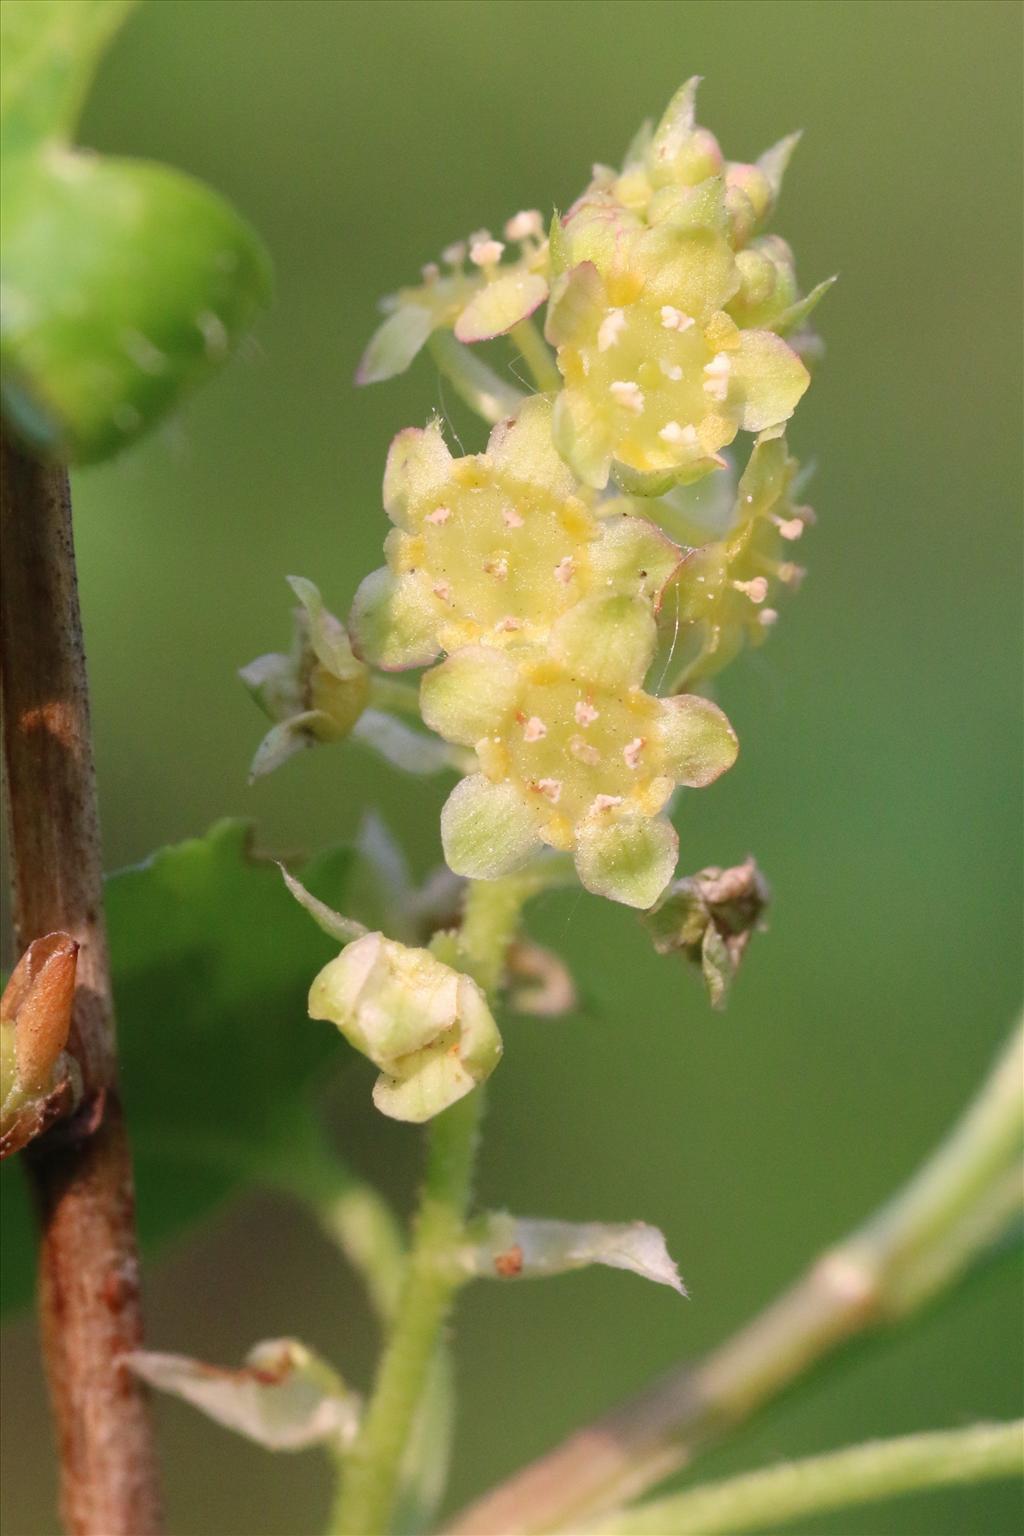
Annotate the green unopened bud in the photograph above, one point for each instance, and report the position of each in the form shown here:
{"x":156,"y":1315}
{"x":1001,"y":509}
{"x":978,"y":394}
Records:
{"x":426,"y":1026}
{"x":317,"y":692}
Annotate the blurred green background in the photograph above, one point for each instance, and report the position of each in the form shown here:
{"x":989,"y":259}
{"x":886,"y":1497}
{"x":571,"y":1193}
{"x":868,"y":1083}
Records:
{"x":878,"y":778}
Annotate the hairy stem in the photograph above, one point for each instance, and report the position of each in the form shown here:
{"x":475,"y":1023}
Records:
{"x":370,"y":1483}
{"x":894,"y":1263}
{"x":90,"y":1313}
{"x":860,"y":1474}
{"x":372,"y":1472}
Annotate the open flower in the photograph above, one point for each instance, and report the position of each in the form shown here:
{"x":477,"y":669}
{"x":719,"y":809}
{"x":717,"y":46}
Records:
{"x":724,"y":594}
{"x":493,"y":547}
{"x":476,"y":294}
{"x":573,"y":752}
{"x":426,"y":1026}
{"x":658,"y":377}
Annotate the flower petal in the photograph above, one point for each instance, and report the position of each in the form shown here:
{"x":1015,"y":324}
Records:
{"x":577,"y":304}
{"x":394,"y":344}
{"x":581,"y":433}
{"x":470,"y":694}
{"x":698,"y":742}
{"x":393,"y":622}
{"x":487,"y":829}
{"x":521,"y":446}
{"x":418,"y":466}
{"x":513,"y":296}
{"x":767,"y":380}
{"x":635,"y":557}
{"x":631,"y":859}
{"x":432,"y":1081}
{"x":607,"y":640}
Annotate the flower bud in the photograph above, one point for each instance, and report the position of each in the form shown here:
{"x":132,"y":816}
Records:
{"x":426,"y":1026}
{"x":315,"y":693}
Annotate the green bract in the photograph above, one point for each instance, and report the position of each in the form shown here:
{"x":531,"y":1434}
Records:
{"x":122,"y":284}
{"x":426,"y":1026}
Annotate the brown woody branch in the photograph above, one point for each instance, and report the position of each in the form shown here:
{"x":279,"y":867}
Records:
{"x":90,"y":1312}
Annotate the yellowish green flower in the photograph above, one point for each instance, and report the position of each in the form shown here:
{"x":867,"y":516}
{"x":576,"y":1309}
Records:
{"x":477,"y":294}
{"x":573,"y":752}
{"x":426,"y":1026}
{"x":723,"y":596}
{"x":658,"y":377}
{"x":493,"y":547}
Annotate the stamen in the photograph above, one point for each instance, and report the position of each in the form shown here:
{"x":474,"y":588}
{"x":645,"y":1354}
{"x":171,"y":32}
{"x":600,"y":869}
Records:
{"x":627,"y":393}
{"x":671,"y":370}
{"x":565,"y":570}
{"x":454,"y":255}
{"x":585,"y":713}
{"x":611,"y":329}
{"x":673,"y":319}
{"x":584,"y":751}
{"x":485,"y":253}
{"x":632,"y":751}
{"x":524,"y":225}
{"x":716,"y":376}
{"x":790,"y":528}
{"x":439,"y":515}
{"x":767,"y":617}
{"x":510,"y":517}
{"x":677,"y":436}
{"x":534,"y":729}
{"x":605,"y":802}
{"x":756,"y":589}
{"x":551,"y":789}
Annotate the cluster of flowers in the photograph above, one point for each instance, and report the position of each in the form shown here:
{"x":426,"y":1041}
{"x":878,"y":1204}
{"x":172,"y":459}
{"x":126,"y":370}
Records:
{"x":531,"y":566}
{"x":601,"y":539}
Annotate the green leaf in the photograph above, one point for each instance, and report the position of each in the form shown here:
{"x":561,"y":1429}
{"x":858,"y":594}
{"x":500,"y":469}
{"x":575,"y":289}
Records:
{"x":125,"y":284}
{"x":49,"y":50}
{"x":212,"y":962}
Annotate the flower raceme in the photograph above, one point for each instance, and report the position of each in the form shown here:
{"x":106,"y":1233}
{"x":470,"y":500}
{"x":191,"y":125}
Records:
{"x":602,"y":539}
